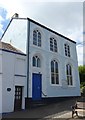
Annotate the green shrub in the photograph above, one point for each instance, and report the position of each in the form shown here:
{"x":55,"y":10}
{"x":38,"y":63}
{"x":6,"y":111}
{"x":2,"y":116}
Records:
{"x":82,"y":84}
{"x":83,"y":90}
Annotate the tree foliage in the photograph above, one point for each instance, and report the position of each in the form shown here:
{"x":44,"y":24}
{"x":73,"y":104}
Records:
{"x":82,"y":73}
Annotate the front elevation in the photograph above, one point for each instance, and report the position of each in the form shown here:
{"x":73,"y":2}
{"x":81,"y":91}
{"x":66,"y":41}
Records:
{"x":55,"y":60}
{"x":52,"y":67}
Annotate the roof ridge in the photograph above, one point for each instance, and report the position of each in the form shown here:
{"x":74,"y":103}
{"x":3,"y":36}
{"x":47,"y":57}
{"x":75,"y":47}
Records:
{"x":8,"y":46}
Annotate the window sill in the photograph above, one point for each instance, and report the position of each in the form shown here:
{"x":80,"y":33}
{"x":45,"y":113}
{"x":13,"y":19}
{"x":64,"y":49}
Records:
{"x":58,"y":85}
{"x":70,"y":86}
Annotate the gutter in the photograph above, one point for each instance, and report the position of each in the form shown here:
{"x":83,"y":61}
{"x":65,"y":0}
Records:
{"x":28,"y":39}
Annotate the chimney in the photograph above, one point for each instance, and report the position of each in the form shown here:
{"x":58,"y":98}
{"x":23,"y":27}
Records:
{"x":16,"y":15}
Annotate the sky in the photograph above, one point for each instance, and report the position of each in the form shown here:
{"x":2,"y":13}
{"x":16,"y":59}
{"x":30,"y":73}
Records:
{"x":62,"y":16}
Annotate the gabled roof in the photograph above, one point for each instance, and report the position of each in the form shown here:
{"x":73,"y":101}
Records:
{"x":39,"y":25}
{"x":8,"y":47}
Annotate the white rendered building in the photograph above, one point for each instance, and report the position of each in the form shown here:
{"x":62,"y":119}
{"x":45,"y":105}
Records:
{"x":51,"y":66}
{"x":12,"y":78}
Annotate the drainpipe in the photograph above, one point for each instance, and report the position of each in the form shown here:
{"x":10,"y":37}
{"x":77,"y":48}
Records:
{"x":28,"y":39}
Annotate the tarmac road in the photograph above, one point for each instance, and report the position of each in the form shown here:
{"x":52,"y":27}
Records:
{"x":56,"y":111}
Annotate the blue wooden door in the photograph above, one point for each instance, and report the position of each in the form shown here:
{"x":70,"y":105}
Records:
{"x":36,"y":86}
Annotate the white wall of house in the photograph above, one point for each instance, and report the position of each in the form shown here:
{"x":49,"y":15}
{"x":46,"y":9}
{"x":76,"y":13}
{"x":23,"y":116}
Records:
{"x":11,"y":62}
{"x":18,"y":34}
{"x":21,"y":80}
{"x":46,"y":56}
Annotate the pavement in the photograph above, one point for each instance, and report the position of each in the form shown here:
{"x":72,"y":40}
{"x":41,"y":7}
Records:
{"x":61,"y":110}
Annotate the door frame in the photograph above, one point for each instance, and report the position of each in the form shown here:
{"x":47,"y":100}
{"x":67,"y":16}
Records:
{"x":36,"y":87}
{"x":17,"y":100}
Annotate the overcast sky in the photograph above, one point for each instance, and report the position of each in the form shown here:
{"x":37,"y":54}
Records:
{"x":65,"y":17}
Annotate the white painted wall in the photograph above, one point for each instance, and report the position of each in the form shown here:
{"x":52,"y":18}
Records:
{"x":8,"y":82}
{"x":17,"y":34}
{"x":21,"y":69}
{"x":10,"y":61}
{"x":46,"y":56}
{"x":14,"y":64}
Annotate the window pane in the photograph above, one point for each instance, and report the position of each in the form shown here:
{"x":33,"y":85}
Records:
{"x":34,"y":37}
{"x":54,"y":72}
{"x":55,"y":46}
{"x":67,"y":70}
{"x":71,"y":82}
{"x":52,"y":79}
{"x":35,"y":41}
{"x":70,"y":70}
{"x":38,"y":62}
{"x":52,"y":66}
{"x":34,"y":61}
{"x":39,"y":42}
{"x":39,"y":35}
{"x":65,"y":45}
{"x":51,"y":44}
{"x":39,"y":39}
{"x":55,"y":50}
{"x":68,"y":80}
{"x":68,"y":54}
{"x":56,"y":67}
{"x":55,"y":43}
{"x":57,"y":79}
{"x":67,"y":50}
{"x":68,"y":47}
{"x":34,"y":33}
{"x":51,"y":48}
{"x":69,"y":74}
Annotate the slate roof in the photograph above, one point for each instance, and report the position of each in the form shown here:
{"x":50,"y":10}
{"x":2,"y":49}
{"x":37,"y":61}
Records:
{"x":9,"y":47}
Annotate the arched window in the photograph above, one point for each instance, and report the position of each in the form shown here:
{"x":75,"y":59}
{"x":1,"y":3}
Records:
{"x":53,"y":44}
{"x":36,"y":61}
{"x":69,"y":74}
{"x":37,"y":38}
{"x":67,"y":50}
{"x":34,"y":37}
{"x":54,"y":72}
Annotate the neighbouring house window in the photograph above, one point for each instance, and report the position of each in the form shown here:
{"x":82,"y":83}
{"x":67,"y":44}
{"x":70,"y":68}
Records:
{"x":37,"y":38}
{"x":69,"y":74}
{"x":67,"y":50}
{"x":53,"y":44}
{"x":36,"y":61}
{"x":54,"y":72}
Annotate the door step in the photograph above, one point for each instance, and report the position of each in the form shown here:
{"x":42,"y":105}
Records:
{"x":34,"y":104}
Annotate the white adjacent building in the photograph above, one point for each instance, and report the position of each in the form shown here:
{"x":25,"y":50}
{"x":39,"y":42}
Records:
{"x":47,"y":68}
{"x":12,"y":78}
